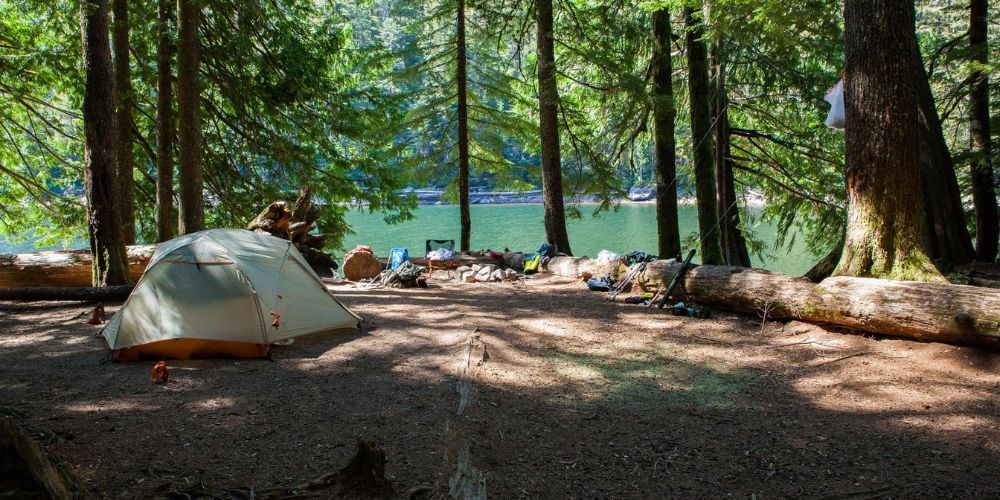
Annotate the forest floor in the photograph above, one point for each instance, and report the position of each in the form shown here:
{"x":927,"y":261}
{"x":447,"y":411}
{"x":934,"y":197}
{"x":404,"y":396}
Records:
{"x":575,"y":397}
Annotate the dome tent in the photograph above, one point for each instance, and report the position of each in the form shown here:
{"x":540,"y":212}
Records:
{"x":223,"y":292}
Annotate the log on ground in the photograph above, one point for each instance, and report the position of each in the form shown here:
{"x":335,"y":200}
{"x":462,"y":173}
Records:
{"x":81,"y":293}
{"x":63,"y":267}
{"x":574,"y":267}
{"x":932,"y":312}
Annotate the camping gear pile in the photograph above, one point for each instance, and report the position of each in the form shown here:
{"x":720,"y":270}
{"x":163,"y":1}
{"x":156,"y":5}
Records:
{"x":223,"y":292}
{"x":404,"y":275}
{"x":636,"y":263}
{"x":479,"y":273}
{"x":529,"y":263}
{"x":295,"y":225}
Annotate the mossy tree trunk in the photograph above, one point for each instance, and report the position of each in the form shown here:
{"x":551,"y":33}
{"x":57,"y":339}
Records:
{"x":123,"y":89}
{"x":699,"y":98}
{"x":664,"y":114}
{"x":107,"y":241}
{"x":166,"y":217}
{"x":885,"y":211}
{"x":461,"y":76}
{"x":192,"y":204}
{"x":945,"y":233}
{"x":548,"y":116}
{"x":984,"y":194}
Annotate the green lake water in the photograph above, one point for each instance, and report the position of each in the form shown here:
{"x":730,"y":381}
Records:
{"x":519,"y":227}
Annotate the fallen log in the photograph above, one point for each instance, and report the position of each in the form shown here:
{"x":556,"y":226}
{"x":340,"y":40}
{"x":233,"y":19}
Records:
{"x":58,"y":268}
{"x":573,"y":267}
{"x":81,"y":293}
{"x":932,"y":312}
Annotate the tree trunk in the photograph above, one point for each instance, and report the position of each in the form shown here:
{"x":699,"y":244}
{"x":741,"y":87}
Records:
{"x":945,"y":234}
{"x":63,"y":268}
{"x":123,"y":89}
{"x":827,"y":265}
{"x":463,"y":131}
{"x":885,"y":210}
{"x":548,"y":113}
{"x":984,"y":193}
{"x":107,"y":241}
{"x":664,"y":113}
{"x":192,"y":204}
{"x":701,"y":131}
{"x":166,"y":218}
{"x":734,"y":246}
{"x":930,"y":312}
{"x":43,"y":478}
{"x":81,"y":293}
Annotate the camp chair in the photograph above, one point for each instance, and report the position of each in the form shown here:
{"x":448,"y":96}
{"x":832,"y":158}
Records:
{"x":442,"y":264}
{"x":397,"y":256}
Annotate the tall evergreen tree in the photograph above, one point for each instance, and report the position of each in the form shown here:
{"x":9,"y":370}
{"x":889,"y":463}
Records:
{"x":123,"y":89}
{"x":699,"y":98}
{"x":664,"y":113}
{"x":984,"y":189}
{"x":107,"y":240}
{"x":885,"y":213}
{"x":548,"y":116}
{"x":166,"y":217}
{"x":192,"y":206}
{"x":461,"y":78}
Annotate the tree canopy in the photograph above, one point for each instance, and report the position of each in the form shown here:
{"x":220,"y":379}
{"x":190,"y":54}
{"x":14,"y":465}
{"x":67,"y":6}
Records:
{"x":360,"y":100}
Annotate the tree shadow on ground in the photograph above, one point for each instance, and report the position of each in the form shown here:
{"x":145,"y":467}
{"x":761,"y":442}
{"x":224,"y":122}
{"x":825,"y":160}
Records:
{"x":576,"y":398}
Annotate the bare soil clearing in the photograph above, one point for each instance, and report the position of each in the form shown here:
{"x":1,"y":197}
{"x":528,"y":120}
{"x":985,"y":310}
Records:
{"x":566,"y":396}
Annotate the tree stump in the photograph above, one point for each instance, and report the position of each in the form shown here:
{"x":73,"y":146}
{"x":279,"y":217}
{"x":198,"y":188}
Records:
{"x":361,"y":265}
{"x":25,"y":470}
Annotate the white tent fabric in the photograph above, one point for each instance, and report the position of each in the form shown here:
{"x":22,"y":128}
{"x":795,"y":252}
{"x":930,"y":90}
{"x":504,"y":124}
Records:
{"x":226,"y":285}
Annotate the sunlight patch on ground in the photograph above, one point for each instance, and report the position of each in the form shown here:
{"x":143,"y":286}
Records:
{"x":214,"y":403}
{"x":102,"y":406}
{"x":642,"y":379}
{"x":25,"y":340}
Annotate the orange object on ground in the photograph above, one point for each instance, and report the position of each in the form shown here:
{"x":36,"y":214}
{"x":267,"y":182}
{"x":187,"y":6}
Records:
{"x":160,"y":373}
{"x":193,"y":348}
{"x":98,"y":317}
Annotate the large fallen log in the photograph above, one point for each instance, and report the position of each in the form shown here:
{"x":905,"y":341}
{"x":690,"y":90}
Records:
{"x":62,"y":267}
{"x":575,"y":266}
{"x":81,"y":293}
{"x":956,"y":314}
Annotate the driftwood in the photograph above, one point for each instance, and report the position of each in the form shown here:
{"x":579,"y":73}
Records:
{"x":62,"y":267}
{"x":81,"y":293}
{"x":27,"y":472}
{"x":294,"y":224}
{"x":956,"y":314}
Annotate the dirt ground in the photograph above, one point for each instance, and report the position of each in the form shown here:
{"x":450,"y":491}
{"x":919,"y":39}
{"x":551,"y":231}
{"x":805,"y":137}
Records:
{"x":566,"y":396}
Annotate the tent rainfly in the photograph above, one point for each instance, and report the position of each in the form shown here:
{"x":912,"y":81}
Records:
{"x":223,"y":293}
